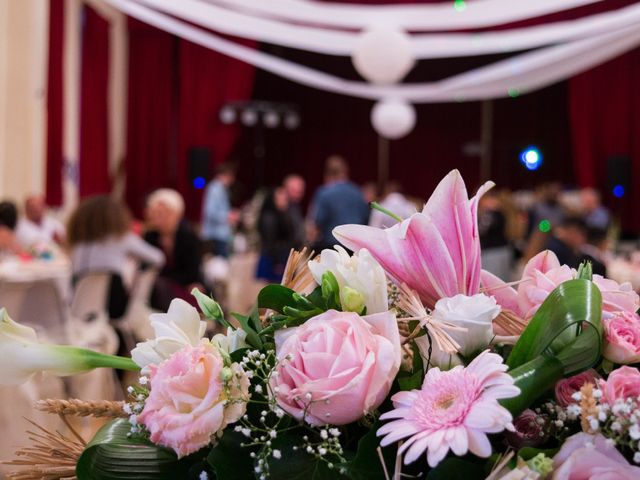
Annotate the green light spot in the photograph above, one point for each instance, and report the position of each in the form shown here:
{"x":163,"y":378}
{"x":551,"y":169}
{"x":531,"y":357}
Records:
{"x":459,"y":5}
{"x":513,"y":92}
{"x":544,"y":226}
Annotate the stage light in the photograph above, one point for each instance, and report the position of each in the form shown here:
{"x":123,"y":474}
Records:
{"x":291,"y":121}
{"x":618,"y":191}
{"x":199,"y":183}
{"x":249,"y":117}
{"x":227,"y":115}
{"x":544,"y":226}
{"x":271,"y":119}
{"x":459,"y":5}
{"x":531,"y":158}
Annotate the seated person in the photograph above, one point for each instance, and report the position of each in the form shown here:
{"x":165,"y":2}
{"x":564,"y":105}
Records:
{"x":8,"y":221}
{"x":567,"y":239}
{"x":36,"y":227}
{"x":596,"y":250}
{"x":100,"y":240}
{"x":167,"y":230}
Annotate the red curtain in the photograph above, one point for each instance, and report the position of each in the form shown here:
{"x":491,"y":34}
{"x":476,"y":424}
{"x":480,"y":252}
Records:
{"x":150,"y":161}
{"x":208,"y":79}
{"x":94,"y":94}
{"x":605,"y":121}
{"x":55,"y":119}
{"x":176,"y":89}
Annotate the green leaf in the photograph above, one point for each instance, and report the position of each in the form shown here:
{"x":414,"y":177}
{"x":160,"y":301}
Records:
{"x":276,"y":297}
{"x":411,"y":382}
{"x":230,"y":460}
{"x":527,"y":453}
{"x":298,"y":464}
{"x":366,"y":465}
{"x":253,"y":338}
{"x":557,"y":328}
{"x":563,"y":338}
{"x":453,"y":468}
{"x":331,"y":291}
{"x":111,"y":455}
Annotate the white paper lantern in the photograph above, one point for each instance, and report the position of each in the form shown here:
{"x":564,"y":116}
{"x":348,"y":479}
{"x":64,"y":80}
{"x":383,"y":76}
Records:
{"x":393,"y":119}
{"x":383,"y":55}
{"x":271,"y":119}
{"x":227,"y":115}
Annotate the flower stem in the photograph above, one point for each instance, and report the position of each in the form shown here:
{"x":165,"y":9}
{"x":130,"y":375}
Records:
{"x":380,"y":208}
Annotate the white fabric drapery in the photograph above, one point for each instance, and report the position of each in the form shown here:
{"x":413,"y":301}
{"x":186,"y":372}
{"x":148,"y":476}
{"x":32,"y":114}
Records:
{"x":335,"y":42}
{"x":417,"y":17}
{"x":520,"y":73}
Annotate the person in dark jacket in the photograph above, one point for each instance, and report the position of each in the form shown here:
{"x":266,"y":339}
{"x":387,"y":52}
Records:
{"x":278,"y":235}
{"x":168,"y":231}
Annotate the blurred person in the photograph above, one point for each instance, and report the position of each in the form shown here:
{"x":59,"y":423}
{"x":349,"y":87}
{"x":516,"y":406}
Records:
{"x":497,"y":255}
{"x":567,"y":239}
{"x":597,"y":216}
{"x":394,"y":201}
{"x":36,"y":226}
{"x":100,"y":241}
{"x":337,"y":202}
{"x":294,"y":188}
{"x":277,"y":235}
{"x":167,"y":230}
{"x":8,"y":222}
{"x":596,"y":250}
{"x":218,"y":218}
{"x":547,"y":207}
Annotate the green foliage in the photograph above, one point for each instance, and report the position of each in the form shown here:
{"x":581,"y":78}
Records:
{"x":454,"y":468}
{"x":112,"y":455}
{"x":298,"y":464}
{"x":563,"y":338}
{"x":366,"y":464}
{"x":229,"y":460}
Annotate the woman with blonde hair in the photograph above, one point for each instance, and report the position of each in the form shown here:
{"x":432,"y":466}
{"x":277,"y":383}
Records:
{"x":100,"y":240}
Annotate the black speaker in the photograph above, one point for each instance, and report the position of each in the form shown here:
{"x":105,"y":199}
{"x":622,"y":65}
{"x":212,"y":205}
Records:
{"x":619,"y":172}
{"x":199,"y":166}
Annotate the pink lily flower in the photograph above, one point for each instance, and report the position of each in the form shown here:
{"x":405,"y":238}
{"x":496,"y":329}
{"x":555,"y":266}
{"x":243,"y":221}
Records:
{"x":435,"y":252}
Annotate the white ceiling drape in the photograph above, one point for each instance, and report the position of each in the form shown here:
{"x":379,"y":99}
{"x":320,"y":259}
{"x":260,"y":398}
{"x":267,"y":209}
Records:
{"x":518,"y":74}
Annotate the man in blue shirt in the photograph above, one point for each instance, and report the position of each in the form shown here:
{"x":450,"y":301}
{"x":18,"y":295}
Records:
{"x":337,"y":202}
{"x":217,"y":215}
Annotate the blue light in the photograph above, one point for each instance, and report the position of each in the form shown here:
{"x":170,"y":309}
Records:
{"x":618,"y":191}
{"x":199,"y":182}
{"x":531,"y":158}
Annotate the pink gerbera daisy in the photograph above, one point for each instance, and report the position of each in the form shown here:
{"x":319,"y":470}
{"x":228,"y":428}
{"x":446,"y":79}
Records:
{"x":454,"y":410}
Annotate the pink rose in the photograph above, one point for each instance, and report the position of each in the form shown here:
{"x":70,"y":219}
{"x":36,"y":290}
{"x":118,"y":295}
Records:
{"x":621,"y":384}
{"x":337,"y":366}
{"x":542,"y":274}
{"x":588,"y":457}
{"x":616,"y":297}
{"x":193,"y":396}
{"x":566,"y":387}
{"x":622,"y":338}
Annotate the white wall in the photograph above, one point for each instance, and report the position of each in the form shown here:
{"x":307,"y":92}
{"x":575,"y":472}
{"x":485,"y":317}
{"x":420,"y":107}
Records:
{"x":23,"y":71}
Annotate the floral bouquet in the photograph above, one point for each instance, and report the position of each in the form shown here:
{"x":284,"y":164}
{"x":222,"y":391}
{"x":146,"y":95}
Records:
{"x":403,"y":360}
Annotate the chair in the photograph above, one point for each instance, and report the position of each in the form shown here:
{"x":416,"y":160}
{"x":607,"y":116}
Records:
{"x":135,"y":325}
{"x":89,"y":327}
{"x":36,"y":303}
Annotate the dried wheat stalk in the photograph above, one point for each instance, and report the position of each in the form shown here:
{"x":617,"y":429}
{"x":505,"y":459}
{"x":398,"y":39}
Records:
{"x":297,"y":275}
{"x":81,"y":408}
{"x":511,"y":323}
{"x":52,"y":456}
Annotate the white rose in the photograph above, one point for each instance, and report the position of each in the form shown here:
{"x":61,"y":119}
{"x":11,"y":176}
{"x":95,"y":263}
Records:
{"x":475,"y":314}
{"x":360,"y":272}
{"x":180,"y":326}
{"x":235,"y":339}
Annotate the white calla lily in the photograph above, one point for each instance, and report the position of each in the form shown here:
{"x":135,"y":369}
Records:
{"x":180,"y":326}
{"x":22,"y":356}
{"x":360,"y":272}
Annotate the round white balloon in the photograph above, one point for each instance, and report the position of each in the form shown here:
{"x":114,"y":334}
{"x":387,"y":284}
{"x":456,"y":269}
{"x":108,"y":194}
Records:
{"x":393,"y":119}
{"x":383,"y":55}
